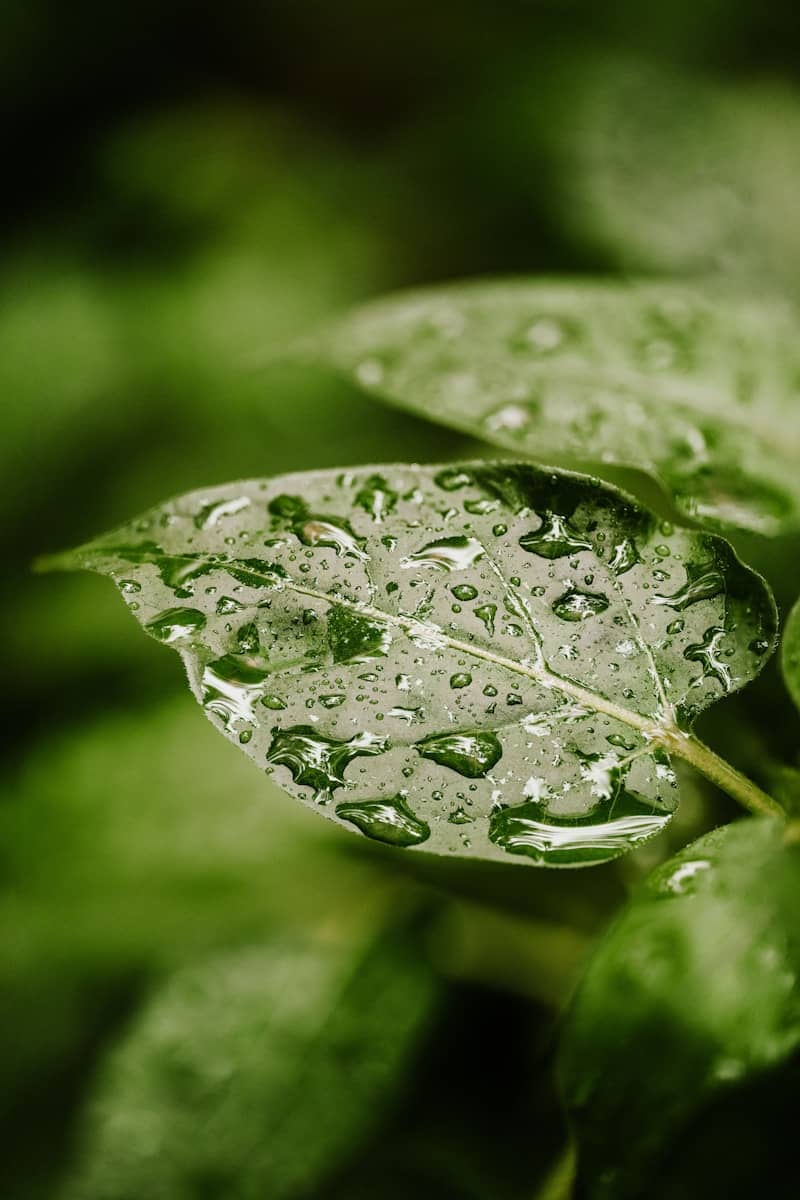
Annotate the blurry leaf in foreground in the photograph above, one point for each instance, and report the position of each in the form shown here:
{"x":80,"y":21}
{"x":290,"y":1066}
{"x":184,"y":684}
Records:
{"x":790,"y":653}
{"x":687,"y":1026}
{"x":480,"y":659}
{"x":697,"y":386}
{"x":254,"y":1073}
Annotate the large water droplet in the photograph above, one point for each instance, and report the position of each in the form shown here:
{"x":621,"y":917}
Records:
{"x":625,"y":557}
{"x":390,"y":821}
{"x":555,"y":538}
{"x":471,"y":754}
{"x":575,"y":605}
{"x":464,"y":591}
{"x":230,"y":688}
{"x":448,"y":553}
{"x":176,"y":623}
{"x":528,"y":830}
{"x":703,"y":582}
{"x":311,"y":529}
{"x":707,"y":653}
{"x":319,"y":762}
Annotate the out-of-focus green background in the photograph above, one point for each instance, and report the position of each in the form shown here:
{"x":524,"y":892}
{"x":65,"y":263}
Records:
{"x":185,"y":189}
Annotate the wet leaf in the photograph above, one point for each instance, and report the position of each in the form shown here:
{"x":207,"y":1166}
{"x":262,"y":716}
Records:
{"x":253,"y":1074}
{"x":490,"y":663}
{"x":790,"y":653}
{"x":696,"y":386}
{"x":688,"y":1020}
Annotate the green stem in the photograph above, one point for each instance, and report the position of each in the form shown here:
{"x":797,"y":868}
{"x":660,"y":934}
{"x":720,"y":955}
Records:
{"x":557,"y":1184}
{"x":726,"y":777}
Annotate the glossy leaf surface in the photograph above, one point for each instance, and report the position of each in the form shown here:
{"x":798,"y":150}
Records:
{"x":688,"y":1021}
{"x":698,"y":388}
{"x":481,"y":659}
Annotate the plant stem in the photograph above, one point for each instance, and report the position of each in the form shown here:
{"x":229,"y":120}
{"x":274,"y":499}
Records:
{"x":557,"y":1184}
{"x":726,"y":777}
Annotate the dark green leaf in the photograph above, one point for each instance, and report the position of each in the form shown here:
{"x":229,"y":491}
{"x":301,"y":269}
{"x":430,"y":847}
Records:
{"x":687,"y":1011}
{"x":487,"y":660}
{"x":254,"y":1073}
{"x":695,"y":386}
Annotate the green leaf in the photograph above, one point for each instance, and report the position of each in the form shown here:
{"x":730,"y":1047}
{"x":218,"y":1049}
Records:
{"x":670,"y":171}
{"x":697,"y":387}
{"x":253,"y":1074}
{"x":790,"y":653}
{"x":683,"y":1036}
{"x":476,"y":659}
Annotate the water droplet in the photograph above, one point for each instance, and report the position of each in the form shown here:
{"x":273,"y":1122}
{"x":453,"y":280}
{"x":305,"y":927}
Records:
{"x":376,"y":498}
{"x":683,"y":880}
{"x":545,"y":335}
{"x":707,"y":654}
{"x":460,"y":817}
{"x":354,"y":638}
{"x":703,"y":582}
{"x":230,"y":688}
{"x":176,"y":623}
{"x":676,"y":626}
{"x":449,"y":553}
{"x":227,"y":605}
{"x":370,"y":372}
{"x":129,"y":587}
{"x":499,"y":530}
{"x":625,"y":557}
{"x":486,"y":613}
{"x":245,"y":736}
{"x":452,"y":478}
{"x":274,"y":702}
{"x":461,"y":679}
{"x":390,"y":821}
{"x":248,"y":639}
{"x":210,"y":514}
{"x":528,"y":830}
{"x":554,"y":538}
{"x":406,"y":714}
{"x":464,"y":591}
{"x":333,"y":533}
{"x":332,"y":699}
{"x":479,"y":508}
{"x":469,"y":753}
{"x":319,"y":762}
{"x":510,"y":418}
{"x":578,"y":606}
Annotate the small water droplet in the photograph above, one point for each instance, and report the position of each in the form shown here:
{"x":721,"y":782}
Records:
{"x":625,"y":557}
{"x":376,"y":498}
{"x":464,"y":591}
{"x":354,"y":638}
{"x":486,"y":614}
{"x":707,"y":654}
{"x":460,"y":816}
{"x":461,"y":679}
{"x":332,"y":699}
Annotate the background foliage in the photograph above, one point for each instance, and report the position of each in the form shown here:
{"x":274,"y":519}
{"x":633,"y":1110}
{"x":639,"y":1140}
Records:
{"x":186,"y":191}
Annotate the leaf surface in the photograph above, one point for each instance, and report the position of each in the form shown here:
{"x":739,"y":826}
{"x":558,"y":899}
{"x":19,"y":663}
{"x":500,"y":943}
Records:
{"x":480,"y":659}
{"x":679,"y":1050}
{"x":697,"y":387}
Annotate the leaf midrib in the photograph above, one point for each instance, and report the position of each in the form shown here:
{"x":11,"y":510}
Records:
{"x":657,"y":728}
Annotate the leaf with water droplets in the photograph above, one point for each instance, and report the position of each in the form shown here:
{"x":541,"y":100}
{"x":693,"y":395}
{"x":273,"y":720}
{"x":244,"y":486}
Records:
{"x":494,"y":640}
{"x":687,"y":1022}
{"x":699,"y":387}
{"x":790,"y":653}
